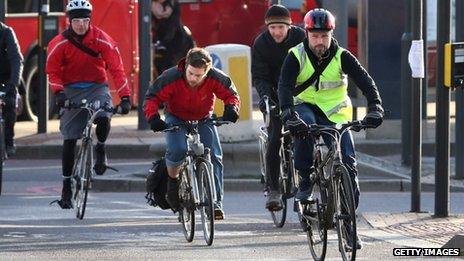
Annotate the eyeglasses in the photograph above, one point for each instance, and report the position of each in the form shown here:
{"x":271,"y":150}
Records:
{"x":80,"y":20}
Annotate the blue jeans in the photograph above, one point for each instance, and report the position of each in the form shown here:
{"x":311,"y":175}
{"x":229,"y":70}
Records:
{"x":304,"y":147}
{"x":176,"y":151}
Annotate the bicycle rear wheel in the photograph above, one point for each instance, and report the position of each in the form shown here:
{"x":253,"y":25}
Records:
{"x":206,"y":201}
{"x":346,"y":215}
{"x":317,"y":232}
{"x":187,"y":211}
{"x":280,"y":216}
{"x":82,"y":177}
{"x":2,"y":151}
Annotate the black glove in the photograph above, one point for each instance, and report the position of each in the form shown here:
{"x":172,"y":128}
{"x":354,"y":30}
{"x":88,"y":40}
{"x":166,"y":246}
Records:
{"x":124,"y":106}
{"x":262,"y":104}
{"x":157,"y":124}
{"x":8,"y":88}
{"x":374,"y":116}
{"x":230,"y":113}
{"x":293,"y":122}
{"x":60,"y":98}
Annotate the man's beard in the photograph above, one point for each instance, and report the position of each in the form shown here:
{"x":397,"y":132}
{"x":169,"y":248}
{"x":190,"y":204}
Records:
{"x":319,"y":52}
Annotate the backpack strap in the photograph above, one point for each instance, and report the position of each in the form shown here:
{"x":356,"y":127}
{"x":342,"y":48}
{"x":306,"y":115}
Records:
{"x":67,"y":34}
{"x":315,"y":77}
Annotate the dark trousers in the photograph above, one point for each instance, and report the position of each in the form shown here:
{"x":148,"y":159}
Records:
{"x":69,"y":145}
{"x":272,"y":154}
{"x":304,"y":147}
{"x":9,"y":117}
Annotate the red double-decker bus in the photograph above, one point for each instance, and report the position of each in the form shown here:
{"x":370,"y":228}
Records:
{"x":211,"y":22}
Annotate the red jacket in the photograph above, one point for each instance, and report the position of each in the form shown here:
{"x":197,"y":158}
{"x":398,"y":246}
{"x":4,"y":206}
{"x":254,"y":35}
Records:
{"x":187,"y":103}
{"x":66,"y":64}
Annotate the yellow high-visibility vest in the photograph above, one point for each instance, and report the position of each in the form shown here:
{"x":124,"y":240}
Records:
{"x":332,"y":94}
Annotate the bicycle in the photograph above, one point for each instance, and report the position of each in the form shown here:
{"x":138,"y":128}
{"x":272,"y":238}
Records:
{"x":333,"y":202}
{"x":82,"y":170}
{"x":197,"y":188}
{"x":287,"y":171}
{"x":2,"y":138}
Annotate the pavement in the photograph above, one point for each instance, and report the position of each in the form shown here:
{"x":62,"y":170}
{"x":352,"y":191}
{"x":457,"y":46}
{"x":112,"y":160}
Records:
{"x":379,"y":163}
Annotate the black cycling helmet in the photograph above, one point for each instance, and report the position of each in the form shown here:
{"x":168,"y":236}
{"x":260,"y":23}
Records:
{"x":319,"y":19}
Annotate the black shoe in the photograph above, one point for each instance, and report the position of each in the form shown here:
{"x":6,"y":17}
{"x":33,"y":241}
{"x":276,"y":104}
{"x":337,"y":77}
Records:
{"x":64,"y":204}
{"x":172,"y":194}
{"x":101,"y":161}
{"x":66,"y":194}
{"x":10,"y":150}
{"x":349,"y":242}
{"x":305,"y":188}
{"x":274,"y":201}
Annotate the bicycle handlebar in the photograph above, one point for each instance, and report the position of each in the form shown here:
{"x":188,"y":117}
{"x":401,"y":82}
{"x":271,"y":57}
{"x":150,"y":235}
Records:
{"x":357,"y":126}
{"x":91,"y":106}
{"x":190,"y":125}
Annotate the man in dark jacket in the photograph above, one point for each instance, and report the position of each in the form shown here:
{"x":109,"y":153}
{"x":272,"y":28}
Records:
{"x":11,"y":69}
{"x":268,"y":53}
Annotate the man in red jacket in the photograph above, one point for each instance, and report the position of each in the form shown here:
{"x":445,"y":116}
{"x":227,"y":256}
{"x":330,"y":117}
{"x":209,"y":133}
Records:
{"x":76,"y":66}
{"x":189,"y":91}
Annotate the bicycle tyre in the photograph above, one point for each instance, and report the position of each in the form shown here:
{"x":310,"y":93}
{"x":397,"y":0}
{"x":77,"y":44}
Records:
{"x":186,"y":213}
{"x":262,"y":159}
{"x":83,"y":177}
{"x":280,"y":216}
{"x":317,"y":232}
{"x":346,"y":215}
{"x":206,"y":201}
{"x":2,"y":151}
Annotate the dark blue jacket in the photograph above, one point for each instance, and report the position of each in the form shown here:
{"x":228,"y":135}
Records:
{"x":11,"y":65}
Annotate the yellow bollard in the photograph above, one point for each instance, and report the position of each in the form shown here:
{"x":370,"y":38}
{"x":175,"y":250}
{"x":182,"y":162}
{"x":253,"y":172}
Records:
{"x":235,"y":61}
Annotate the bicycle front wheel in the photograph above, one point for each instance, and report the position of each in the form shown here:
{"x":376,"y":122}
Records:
{"x":206,"y":201}
{"x":280,"y":216}
{"x":82,"y":175}
{"x":346,"y":215}
{"x":187,"y":211}
{"x":317,"y":231}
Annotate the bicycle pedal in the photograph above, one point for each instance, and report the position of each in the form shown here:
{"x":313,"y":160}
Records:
{"x":112,"y":168}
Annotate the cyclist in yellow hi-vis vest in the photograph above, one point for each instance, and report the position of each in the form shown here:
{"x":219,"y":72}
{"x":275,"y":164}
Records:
{"x":313,"y":89}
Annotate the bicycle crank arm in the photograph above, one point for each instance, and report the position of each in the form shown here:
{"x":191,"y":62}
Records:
{"x":112,"y":168}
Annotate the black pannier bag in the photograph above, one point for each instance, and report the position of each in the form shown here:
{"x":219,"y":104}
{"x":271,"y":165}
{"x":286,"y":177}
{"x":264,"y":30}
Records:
{"x":156,"y":184}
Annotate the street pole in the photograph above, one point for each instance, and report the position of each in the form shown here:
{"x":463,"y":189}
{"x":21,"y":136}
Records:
{"x":406,"y":90}
{"x":416,"y":110}
{"x":442,"y":135}
{"x":43,"y":8}
{"x":339,"y":8}
{"x":459,"y":138}
{"x":145,"y":58}
{"x":425,"y":81}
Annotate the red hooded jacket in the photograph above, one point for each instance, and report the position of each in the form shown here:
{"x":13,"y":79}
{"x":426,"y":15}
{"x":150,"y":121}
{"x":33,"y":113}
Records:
{"x":67,"y":64}
{"x":188,"y":103}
